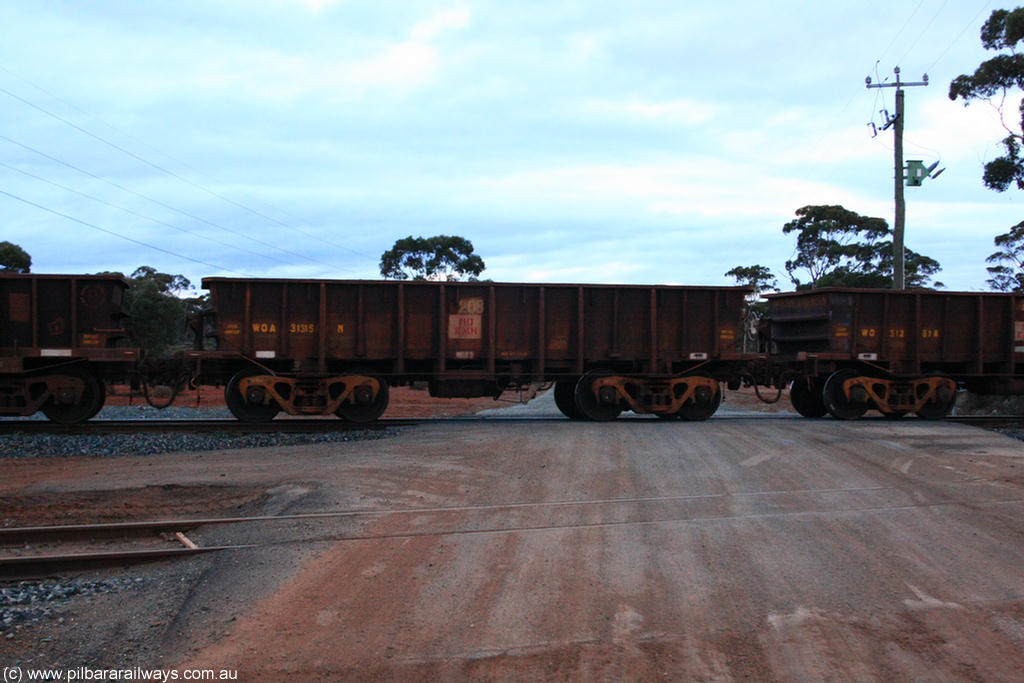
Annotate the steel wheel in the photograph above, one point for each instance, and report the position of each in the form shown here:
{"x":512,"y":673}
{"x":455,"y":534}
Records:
{"x":88,"y":405}
{"x":703,"y":406}
{"x":587,"y":403}
{"x":565,"y":398}
{"x":838,"y":405}
{"x":805,"y":395}
{"x":240,"y":407}
{"x":937,"y":409}
{"x":101,"y":400}
{"x":365,"y":409}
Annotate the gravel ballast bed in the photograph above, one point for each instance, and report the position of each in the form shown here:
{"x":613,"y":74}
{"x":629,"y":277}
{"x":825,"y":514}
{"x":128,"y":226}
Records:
{"x":147,"y":412}
{"x":63,"y":445}
{"x":29,"y":601}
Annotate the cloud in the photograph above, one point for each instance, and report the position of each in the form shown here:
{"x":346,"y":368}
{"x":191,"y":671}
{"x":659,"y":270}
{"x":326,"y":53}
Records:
{"x":600,"y":271}
{"x":406,"y":64}
{"x":951,"y":130}
{"x":695,"y":187}
{"x":347,"y":69}
{"x":440,"y":22}
{"x":682,"y":111}
{"x":570,"y":141}
{"x":318,"y":5}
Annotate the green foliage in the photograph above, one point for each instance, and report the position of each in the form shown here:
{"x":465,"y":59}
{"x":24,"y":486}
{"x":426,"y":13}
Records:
{"x":156,"y":312}
{"x":14,"y":259}
{"x":444,"y":257}
{"x":166,"y":284}
{"x":996,"y":77}
{"x":757,"y":276}
{"x":832,"y":240}
{"x":840,"y":248}
{"x":1007,"y":273}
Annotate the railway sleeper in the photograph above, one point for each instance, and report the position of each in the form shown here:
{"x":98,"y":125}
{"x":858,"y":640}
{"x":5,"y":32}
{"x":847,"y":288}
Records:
{"x":311,"y":396}
{"x":666,"y":397}
{"x":929,"y":397}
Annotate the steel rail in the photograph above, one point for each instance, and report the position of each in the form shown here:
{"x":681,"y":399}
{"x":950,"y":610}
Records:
{"x":319,"y":426}
{"x":35,"y":566}
{"x":292,"y":426}
{"x":42,"y":565}
{"x":23,"y":535}
{"x":39,"y":565}
{"x":985,"y":419}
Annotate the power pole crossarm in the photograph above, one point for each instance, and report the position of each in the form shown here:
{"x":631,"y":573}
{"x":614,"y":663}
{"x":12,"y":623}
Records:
{"x":898,"y":279}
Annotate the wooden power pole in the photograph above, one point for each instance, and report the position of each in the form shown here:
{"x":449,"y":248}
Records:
{"x":898,"y":279}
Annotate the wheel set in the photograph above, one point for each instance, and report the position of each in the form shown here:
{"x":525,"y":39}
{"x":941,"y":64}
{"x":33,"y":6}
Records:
{"x":847,"y":394}
{"x":601,"y":396}
{"x":255,"y":395}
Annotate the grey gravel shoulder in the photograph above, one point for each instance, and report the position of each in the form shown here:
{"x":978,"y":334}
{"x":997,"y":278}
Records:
{"x":19,"y":445}
{"x":28,"y":601}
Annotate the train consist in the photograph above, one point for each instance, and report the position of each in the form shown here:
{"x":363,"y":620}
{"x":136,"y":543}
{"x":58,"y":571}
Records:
{"x":322,"y":347}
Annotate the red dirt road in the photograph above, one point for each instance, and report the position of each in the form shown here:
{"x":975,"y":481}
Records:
{"x":762,"y":550}
{"x":741,"y":549}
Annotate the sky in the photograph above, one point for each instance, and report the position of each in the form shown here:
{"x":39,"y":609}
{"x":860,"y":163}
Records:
{"x":649,"y":142}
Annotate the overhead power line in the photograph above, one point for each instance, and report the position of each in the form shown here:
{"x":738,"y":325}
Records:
{"x":902,"y":28}
{"x":171,"y":173}
{"x":117,"y":234}
{"x":920,"y":35}
{"x":136,"y":213}
{"x":972,"y":22}
{"x":160,"y":203}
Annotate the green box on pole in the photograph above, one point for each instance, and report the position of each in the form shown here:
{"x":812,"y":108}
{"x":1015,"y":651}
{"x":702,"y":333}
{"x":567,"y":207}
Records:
{"x":916,"y":173}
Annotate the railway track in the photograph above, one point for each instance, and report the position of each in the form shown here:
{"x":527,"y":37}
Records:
{"x":40,"y":551}
{"x":317,"y":425}
{"x":295,"y":426}
{"x":988,"y":420}
{"x":47,"y":550}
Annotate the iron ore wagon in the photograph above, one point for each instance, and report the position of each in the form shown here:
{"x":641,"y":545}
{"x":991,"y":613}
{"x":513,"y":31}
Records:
{"x":59,"y":337}
{"x":320,"y":347}
{"x":897,"y":352}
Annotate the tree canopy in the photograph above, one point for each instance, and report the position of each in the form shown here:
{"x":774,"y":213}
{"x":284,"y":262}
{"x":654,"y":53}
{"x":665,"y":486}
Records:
{"x":1007,"y":271}
{"x":757,"y":276}
{"x":831,"y":240}
{"x":14,"y":259}
{"x":995,"y":78}
{"x":443,"y":257}
{"x":837,"y":247}
{"x":156,"y":310}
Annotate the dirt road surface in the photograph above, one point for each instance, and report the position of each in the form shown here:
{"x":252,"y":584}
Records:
{"x":740,"y":549}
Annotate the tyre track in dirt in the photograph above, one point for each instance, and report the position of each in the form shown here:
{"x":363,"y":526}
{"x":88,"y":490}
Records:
{"x":774,"y":554}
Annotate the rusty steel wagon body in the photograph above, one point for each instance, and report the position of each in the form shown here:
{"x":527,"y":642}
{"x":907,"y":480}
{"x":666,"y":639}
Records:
{"x":321,"y":347}
{"x":895,"y":351}
{"x":59,"y":338}
{"x":332,"y":346}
